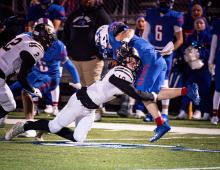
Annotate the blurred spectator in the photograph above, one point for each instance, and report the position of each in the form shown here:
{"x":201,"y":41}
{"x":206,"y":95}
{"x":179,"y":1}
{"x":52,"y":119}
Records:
{"x":79,"y":38}
{"x":214,"y":58}
{"x":194,"y":12}
{"x":9,"y":29}
{"x":140,"y":26}
{"x":70,"y":6}
{"x":6,"y":9}
{"x":34,"y":2}
{"x":46,"y":9}
{"x":196,"y":54}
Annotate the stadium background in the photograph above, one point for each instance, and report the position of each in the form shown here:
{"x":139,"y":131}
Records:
{"x":119,"y":10}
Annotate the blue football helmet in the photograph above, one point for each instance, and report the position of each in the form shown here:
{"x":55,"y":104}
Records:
{"x":165,"y":5}
{"x":102,"y":41}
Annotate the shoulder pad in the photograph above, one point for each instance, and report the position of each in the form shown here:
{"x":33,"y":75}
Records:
{"x":36,"y":50}
{"x":124,"y":73}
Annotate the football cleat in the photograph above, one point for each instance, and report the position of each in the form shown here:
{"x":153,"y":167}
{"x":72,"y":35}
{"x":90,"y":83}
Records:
{"x":165,"y":117}
{"x":214,"y":120}
{"x":205,"y":116}
{"x":148,"y":118}
{"x":193,"y":93}
{"x":182,"y":115}
{"x":17,"y":129}
{"x":197,"y":115}
{"x":48,"y":109}
{"x":160,"y":131}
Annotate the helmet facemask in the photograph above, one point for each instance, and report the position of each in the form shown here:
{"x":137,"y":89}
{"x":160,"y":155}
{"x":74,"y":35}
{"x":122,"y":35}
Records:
{"x":44,"y":34}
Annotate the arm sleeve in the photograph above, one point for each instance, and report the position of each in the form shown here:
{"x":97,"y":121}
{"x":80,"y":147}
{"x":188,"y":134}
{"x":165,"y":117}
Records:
{"x":72,"y":70}
{"x":130,"y":90}
{"x":26,"y":65}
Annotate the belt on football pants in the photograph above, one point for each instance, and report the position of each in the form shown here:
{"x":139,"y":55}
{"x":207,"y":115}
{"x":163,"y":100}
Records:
{"x":2,"y":74}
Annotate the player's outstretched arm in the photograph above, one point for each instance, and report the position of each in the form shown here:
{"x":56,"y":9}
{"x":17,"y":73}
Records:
{"x":130,"y":90}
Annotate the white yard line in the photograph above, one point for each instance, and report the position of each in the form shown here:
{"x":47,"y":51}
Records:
{"x":206,"y":168}
{"x":135,"y":127}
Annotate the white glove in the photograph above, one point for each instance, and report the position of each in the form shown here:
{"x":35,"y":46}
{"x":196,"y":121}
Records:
{"x":37,"y":93}
{"x":168,"y":49}
{"x":155,"y":96}
{"x":75,"y":85}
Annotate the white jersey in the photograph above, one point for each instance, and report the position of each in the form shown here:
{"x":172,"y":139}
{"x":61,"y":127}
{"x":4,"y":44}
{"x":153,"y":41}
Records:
{"x":10,"y":60}
{"x":103,"y":91}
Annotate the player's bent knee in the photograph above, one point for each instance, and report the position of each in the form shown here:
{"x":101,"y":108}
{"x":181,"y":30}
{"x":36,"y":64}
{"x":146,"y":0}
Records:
{"x":54,"y":126}
{"x":10,"y":106}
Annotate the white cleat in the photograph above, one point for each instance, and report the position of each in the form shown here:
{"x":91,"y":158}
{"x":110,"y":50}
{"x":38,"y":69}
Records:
{"x":17,"y":129}
{"x":206,"y":116}
{"x":214,"y":120}
{"x":55,"y":110}
{"x":182,"y":115}
{"x":139,"y":114}
{"x":197,"y":115}
{"x":48,"y":109}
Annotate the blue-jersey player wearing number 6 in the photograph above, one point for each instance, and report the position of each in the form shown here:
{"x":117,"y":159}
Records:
{"x":165,"y":26}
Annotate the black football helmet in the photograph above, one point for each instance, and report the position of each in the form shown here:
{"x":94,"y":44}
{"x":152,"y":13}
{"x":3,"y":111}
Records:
{"x":125,"y":53}
{"x":165,"y":5}
{"x":44,"y":34}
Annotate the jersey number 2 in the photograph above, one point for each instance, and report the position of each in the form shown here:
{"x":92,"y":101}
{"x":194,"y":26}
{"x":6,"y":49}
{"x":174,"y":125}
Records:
{"x":158,"y":32}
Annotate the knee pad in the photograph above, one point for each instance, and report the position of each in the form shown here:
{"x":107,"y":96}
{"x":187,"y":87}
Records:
{"x":54,"y":126}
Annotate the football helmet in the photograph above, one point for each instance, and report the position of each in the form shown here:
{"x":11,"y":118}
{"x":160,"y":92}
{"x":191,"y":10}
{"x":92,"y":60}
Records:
{"x":44,"y":34}
{"x":165,"y":5}
{"x":124,"y":55}
{"x":102,"y":41}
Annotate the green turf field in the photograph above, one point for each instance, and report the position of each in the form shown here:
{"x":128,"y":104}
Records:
{"x":22,"y":154}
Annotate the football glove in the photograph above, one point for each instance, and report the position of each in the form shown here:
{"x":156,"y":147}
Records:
{"x":193,"y":93}
{"x":36,"y":93}
{"x":75,"y":85}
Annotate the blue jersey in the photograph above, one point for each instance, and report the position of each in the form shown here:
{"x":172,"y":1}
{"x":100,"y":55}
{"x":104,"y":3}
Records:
{"x":50,"y":63}
{"x":162,"y":26}
{"x":52,"y":12}
{"x":216,"y":31}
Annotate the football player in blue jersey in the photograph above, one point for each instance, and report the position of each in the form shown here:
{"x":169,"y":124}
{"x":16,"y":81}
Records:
{"x":165,"y":25}
{"x":45,"y":74}
{"x":215,"y":56}
{"x":153,"y":70}
{"x":45,"y":9}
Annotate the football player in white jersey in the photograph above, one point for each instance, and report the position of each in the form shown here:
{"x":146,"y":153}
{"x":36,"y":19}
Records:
{"x":81,"y":106}
{"x":18,"y":56}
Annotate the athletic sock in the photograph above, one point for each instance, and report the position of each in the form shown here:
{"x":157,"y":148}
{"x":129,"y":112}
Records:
{"x":3,"y":113}
{"x":66,"y":133}
{"x":215,"y":112}
{"x":159,"y":121}
{"x":41,"y":124}
{"x":184,"y":91}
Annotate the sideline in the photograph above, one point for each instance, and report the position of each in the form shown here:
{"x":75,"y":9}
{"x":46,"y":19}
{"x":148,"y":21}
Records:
{"x":134,"y":127}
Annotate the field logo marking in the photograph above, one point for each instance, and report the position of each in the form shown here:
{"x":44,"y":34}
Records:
{"x":119,"y":146}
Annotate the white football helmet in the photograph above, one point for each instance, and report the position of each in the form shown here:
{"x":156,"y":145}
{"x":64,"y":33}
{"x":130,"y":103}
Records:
{"x":45,"y":21}
{"x":102,"y":40}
